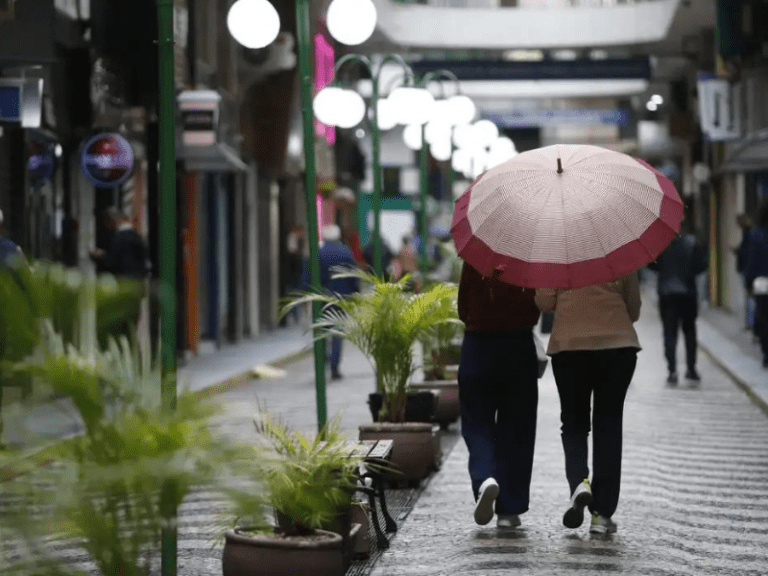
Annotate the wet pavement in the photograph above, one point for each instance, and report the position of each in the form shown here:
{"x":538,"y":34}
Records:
{"x":694,"y":493}
{"x":694,"y":498}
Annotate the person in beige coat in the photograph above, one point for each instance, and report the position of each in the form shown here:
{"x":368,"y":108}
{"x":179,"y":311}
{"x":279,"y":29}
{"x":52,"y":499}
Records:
{"x":594,"y":352}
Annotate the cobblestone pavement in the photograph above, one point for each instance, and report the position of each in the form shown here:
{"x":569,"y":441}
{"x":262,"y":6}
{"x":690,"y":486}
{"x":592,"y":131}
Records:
{"x":694,"y":498}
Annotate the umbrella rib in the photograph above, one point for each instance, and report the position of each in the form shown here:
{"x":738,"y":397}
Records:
{"x":595,"y":227}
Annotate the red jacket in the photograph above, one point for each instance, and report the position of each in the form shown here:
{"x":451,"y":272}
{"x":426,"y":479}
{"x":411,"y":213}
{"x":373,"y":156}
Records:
{"x":488,"y":305}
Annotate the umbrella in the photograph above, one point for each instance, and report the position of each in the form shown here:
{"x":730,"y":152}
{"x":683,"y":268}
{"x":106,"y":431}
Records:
{"x":565,"y":217}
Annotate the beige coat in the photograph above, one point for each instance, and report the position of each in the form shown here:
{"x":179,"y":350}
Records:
{"x":594,"y":317}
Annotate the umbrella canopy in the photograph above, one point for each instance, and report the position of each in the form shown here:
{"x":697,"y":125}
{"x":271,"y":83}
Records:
{"x":565,"y":217}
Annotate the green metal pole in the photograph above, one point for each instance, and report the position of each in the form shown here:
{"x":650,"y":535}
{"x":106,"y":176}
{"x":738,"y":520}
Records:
{"x":376,"y":169}
{"x":167,"y":180}
{"x":423,"y":185}
{"x":305,"y":73}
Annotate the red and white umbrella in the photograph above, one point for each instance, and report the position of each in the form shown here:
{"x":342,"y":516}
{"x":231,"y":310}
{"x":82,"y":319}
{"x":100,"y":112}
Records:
{"x":565,"y":217}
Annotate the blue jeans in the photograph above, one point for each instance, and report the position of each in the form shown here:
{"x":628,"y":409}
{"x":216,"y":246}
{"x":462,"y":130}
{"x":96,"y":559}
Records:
{"x":499,"y":395}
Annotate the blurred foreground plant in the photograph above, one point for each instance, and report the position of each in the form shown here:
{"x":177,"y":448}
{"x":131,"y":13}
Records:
{"x":110,"y":488}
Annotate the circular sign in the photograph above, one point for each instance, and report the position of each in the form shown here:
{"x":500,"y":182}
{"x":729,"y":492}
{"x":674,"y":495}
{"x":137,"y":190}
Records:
{"x":107,"y":160}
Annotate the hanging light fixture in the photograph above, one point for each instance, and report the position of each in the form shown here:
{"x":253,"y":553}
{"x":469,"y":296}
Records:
{"x":412,"y":136}
{"x":340,"y":107}
{"x":462,"y":109}
{"x":386,"y":116}
{"x":351,"y":22}
{"x":411,"y":105}
{"x":253,"y":23}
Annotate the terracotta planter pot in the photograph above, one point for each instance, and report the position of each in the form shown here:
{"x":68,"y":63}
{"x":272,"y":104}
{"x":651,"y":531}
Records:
{"x":420,"y":407}
{"x":448,"y":409}
{"x":413,"y":447}
{"x":267,"y":555}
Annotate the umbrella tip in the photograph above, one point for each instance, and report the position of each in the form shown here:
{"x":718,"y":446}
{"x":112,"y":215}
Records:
{"x":559,"y":166}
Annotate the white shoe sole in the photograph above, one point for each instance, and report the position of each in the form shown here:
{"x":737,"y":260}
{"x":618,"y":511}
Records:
{"x":574,"y":516}
{"x":489,"y":491}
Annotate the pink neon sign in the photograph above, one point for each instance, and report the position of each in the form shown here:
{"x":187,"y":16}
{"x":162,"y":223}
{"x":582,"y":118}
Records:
{"x":324,"y":74}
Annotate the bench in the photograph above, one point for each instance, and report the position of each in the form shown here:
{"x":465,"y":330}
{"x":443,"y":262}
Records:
{"x":375,"y":453}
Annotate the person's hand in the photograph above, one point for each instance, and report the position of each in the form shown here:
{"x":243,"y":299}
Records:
{"x":97,"y":253}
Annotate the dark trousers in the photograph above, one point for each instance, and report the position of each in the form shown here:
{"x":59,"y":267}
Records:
{"x":761,"y":323}
{"x":605,"y":375}
{"x":499,"y":395}
{"x":677,"y":311}
{"x":334,"y":357}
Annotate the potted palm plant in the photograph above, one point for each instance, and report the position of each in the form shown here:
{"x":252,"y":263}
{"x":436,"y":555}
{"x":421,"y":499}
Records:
{"x":441,"y":353}
{"x":384,"y":323}
{"x":308,"y":482}
{"x":117,"y":483}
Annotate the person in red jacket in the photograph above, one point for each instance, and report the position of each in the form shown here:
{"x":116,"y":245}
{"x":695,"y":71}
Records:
{"x":498,"y":393}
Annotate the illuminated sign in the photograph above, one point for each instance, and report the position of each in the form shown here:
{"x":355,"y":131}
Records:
{"x":107,"y":160}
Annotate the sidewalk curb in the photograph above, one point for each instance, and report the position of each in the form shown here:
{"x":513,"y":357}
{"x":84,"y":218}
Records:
{"x":239,"y":379}
{"x":747,"y":387}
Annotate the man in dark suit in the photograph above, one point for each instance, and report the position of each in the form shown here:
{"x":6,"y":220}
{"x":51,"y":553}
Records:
{"x":127,"y":253}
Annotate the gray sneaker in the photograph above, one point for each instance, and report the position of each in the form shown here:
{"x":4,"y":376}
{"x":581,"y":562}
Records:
{"x":602,"y":525}
{"x":581,"y":498}
{"x":486,"y":496}
{"x":507,"y":521}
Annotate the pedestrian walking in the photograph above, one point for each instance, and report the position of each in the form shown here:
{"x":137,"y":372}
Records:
{"x":756,"y":277}
{"x":127,"y":254}
{"x":334,"y":254}
{"x":498,"y":393}
{"x":407,"y":262}
{"x":741,"y":252}
{"x":594,"y":348}
{"x":677,"y":267}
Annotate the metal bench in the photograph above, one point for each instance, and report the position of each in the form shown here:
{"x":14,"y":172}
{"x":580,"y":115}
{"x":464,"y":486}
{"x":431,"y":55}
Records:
{"x":375,"y":454}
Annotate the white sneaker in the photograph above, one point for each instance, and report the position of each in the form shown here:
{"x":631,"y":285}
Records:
{"x":508,"y":521}
{"x":602,"y":525}
{"x":489,"y":491}
{"x":581,"y":498}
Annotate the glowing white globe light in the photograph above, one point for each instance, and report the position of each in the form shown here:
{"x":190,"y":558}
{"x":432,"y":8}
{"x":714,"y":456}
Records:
{"x":351,"y":109}
{"x":412,"y":136}
{"x":351,"y":22}
{"x":502,"y":147}
{"x":441,"y":113}
{"x":485,"y":132}
{"x":441,"y":150}
{"x":463,"y":136}
{"x":327,"y":103}
{"x":480,"y":163}
{"x":462,"y":160}
{"x":386,"y":116}
{"x":253,"y":23}
{"x":462,"y":109}
{"x":411,"y":105}
{"x":437,"y":132}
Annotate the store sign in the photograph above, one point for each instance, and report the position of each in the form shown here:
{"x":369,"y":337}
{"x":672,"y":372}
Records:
{"x":719,"y":108}
{"x":199,"y":117}
{"x":21,"y":100}
{"x":107,"y":160}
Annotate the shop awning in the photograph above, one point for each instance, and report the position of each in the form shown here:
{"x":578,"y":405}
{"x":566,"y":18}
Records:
{"x":749,"y":155}
{"x":212,"y":158}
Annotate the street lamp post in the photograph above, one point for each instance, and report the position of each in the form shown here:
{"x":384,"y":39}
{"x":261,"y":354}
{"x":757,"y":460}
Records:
{"x":167,"y":180}
{"x":423,"y":169}
{"x":305,"y":73}
{"x":409,"y":97}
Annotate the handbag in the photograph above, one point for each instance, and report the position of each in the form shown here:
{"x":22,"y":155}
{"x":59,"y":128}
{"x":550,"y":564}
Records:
{"x":760,"y":286}
{"x":541,"y":355}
